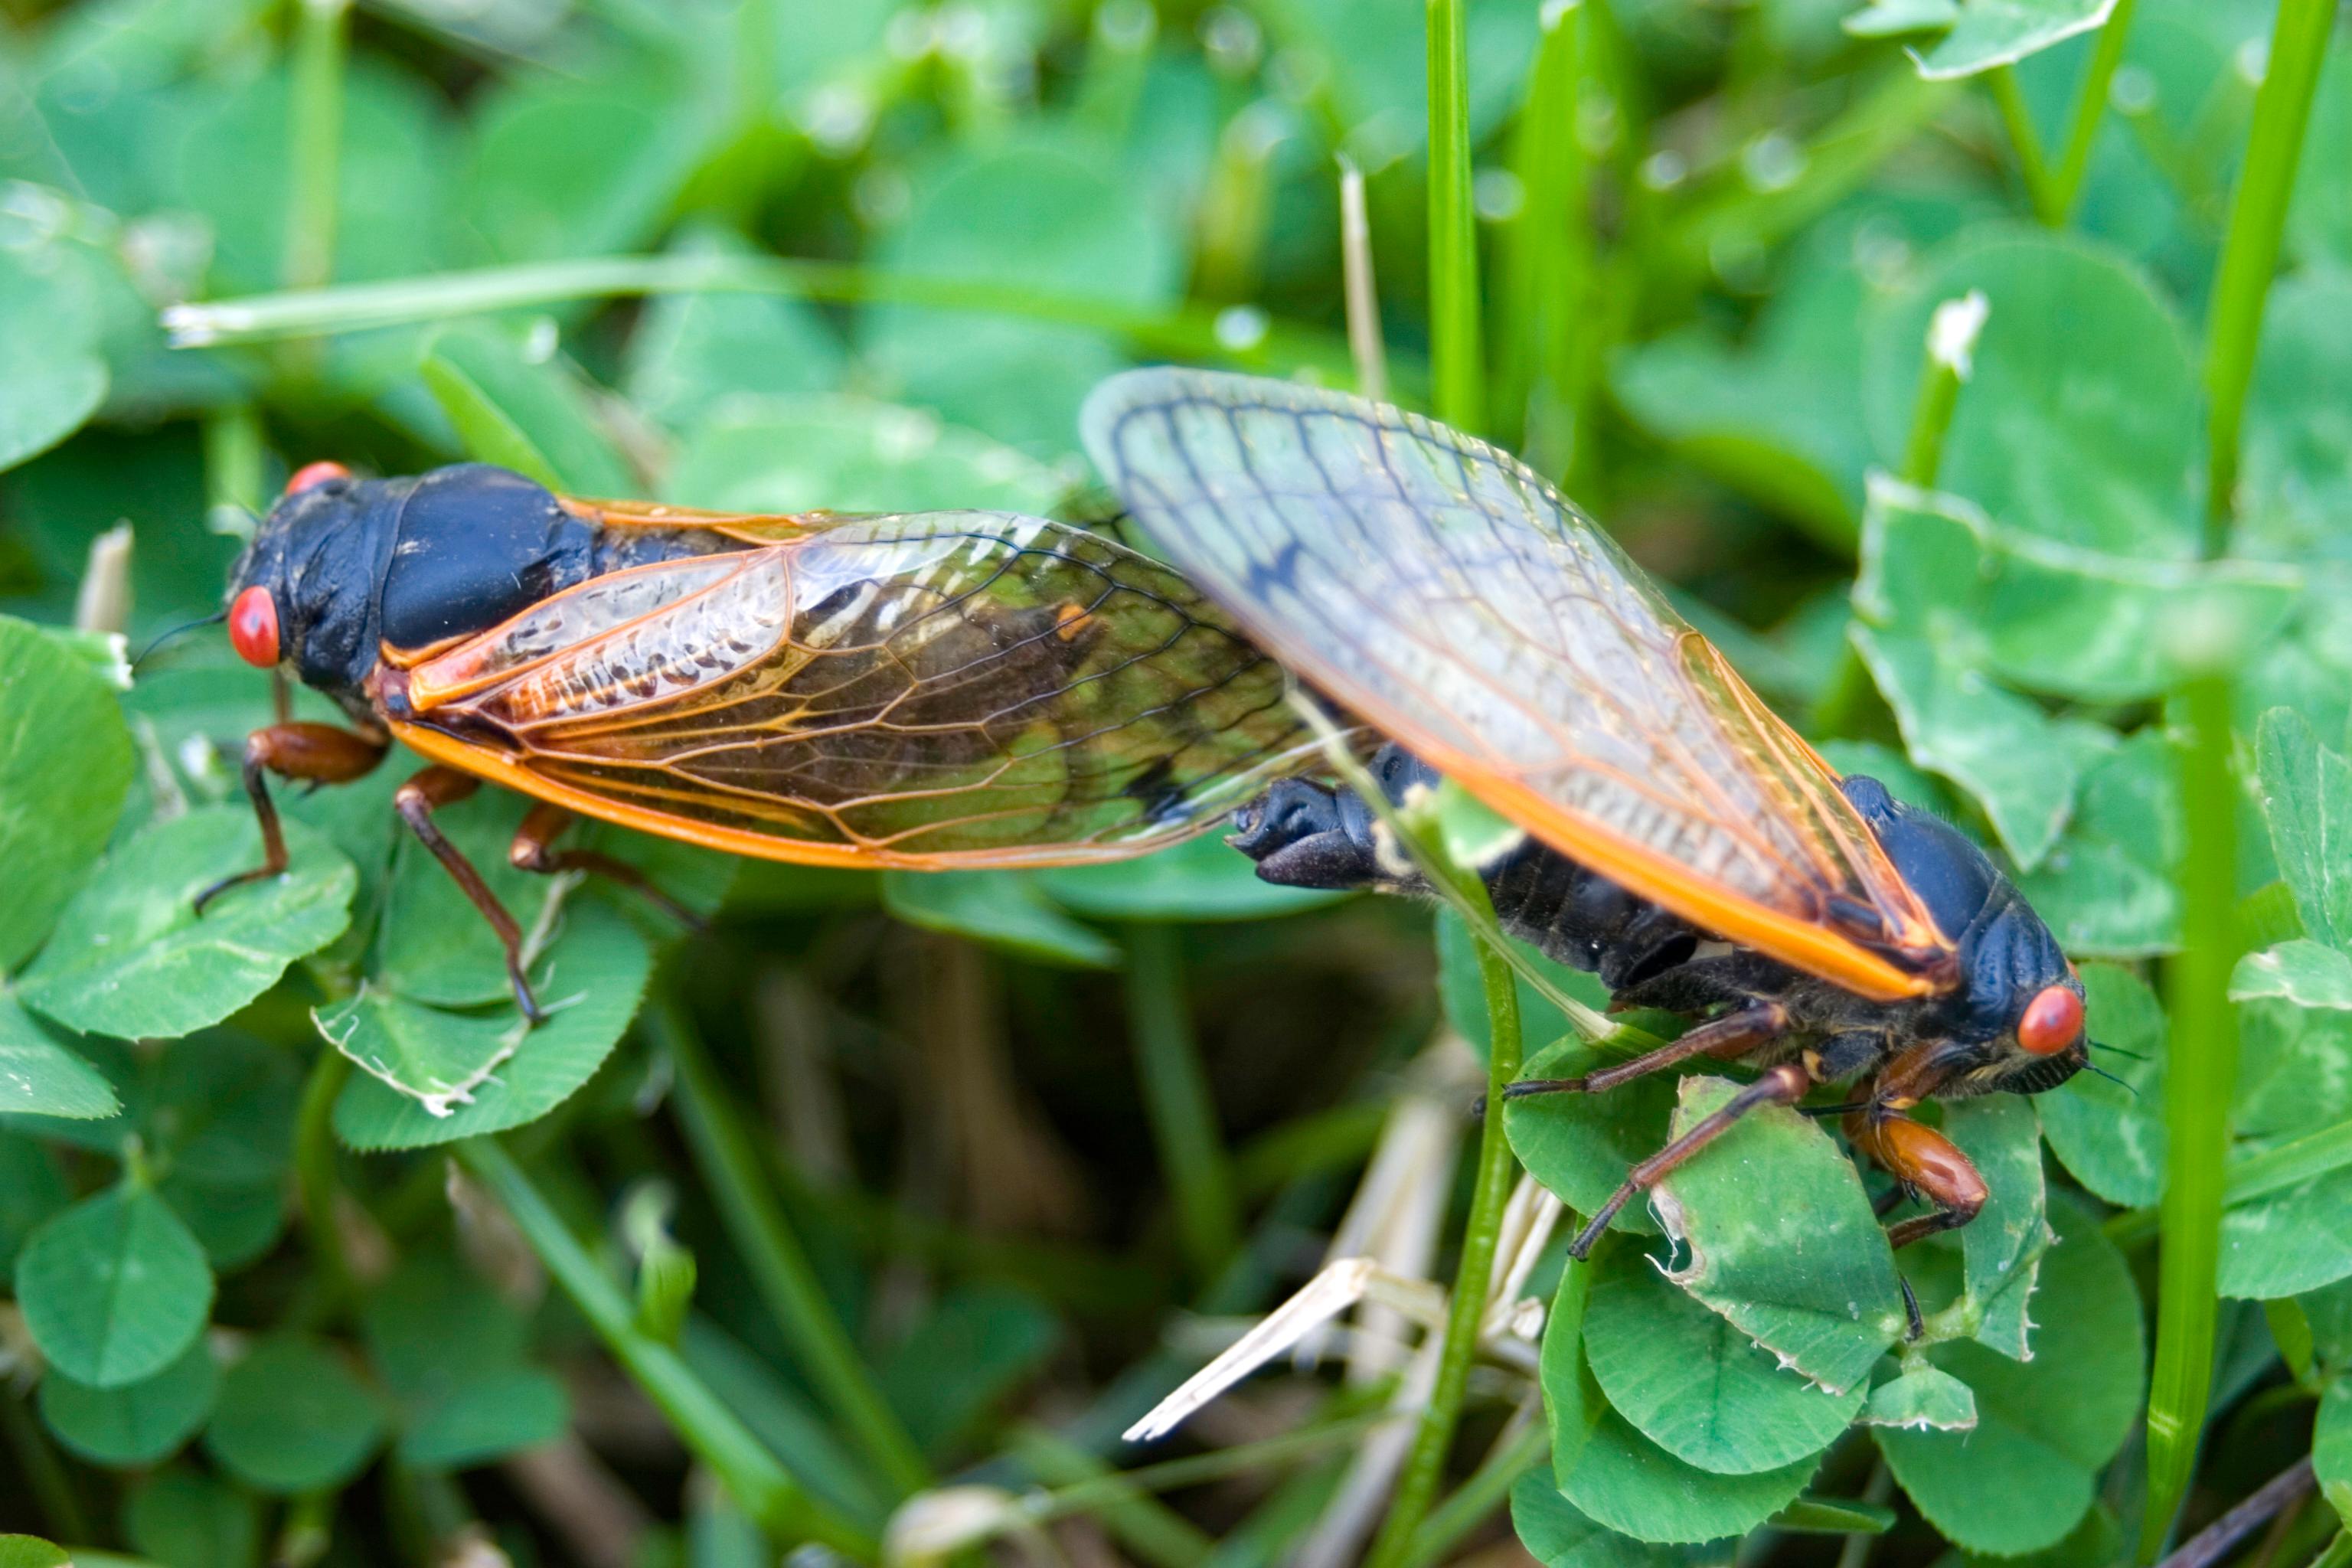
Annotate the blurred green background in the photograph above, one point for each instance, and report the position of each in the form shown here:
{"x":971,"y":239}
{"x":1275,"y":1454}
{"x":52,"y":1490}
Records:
{"x":789,"y":254}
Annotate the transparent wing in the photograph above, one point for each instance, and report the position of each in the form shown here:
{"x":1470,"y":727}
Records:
{"x":1445,"y":593}
{"x":933,"y":690}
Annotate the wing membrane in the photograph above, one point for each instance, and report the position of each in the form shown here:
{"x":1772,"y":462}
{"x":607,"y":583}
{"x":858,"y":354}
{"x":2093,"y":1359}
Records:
{"x":928,"y":690}
{"x":1444,"y":590}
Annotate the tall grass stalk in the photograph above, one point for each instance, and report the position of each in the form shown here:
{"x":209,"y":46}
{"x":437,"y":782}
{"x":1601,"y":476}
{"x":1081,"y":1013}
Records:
{"x":2250,"y":251}
{"x":2199,"y":1075}
{"x":314,"y":149}
{"x":1489,"y":1484}
{"x":1189,"y":332}
{"x":1237,"y":207}
{"x":235,"y":460}
{"x":1366,"y":345}
{"x":1177,"y":1098}
{"x":1465,"y":1309}
{"x":758,"y":33}
{"x":1458,"y":368}
{"x":760,"y":1486}
{"x":2090,"y":109}
{"x":1537,"y":350}
{"x":786,"y":1280}
{"x":2032,"y":170}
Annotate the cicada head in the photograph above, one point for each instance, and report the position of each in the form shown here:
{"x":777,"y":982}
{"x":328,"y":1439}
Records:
{"x":2014,"y":1019}
{"x":344,"y":568}
{"x":301,"y":597}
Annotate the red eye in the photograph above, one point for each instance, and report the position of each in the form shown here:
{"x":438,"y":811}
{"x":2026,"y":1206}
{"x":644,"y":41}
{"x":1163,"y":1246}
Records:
{"x":310,"y":474}
{"x":253,"y":626}
{"x":2053,"y":1021}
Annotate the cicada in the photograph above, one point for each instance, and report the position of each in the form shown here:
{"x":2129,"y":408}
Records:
{"x":929,"y":690}
{"x":1681,"y":841}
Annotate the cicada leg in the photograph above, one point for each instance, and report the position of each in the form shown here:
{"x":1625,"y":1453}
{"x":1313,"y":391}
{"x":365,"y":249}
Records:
{"x":534,"y":851}
{"x":1782,"y":1085}
{"x":1926,"y":1162}
{"x":416,"y":801}
{"x":1733,"y":1034}
{"x":314,"y":753}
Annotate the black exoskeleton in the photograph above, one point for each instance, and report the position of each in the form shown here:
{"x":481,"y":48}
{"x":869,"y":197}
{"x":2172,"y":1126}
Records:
{"x":1959,"y":1041}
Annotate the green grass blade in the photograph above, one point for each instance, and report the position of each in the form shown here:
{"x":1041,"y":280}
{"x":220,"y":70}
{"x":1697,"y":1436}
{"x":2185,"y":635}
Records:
{"x":1848,"y":695}
{"x":2090,"y":108}
{"x":762,"y":1488}
{"x":2201,"y":1075}
{"x":780,"y":1266}
{"x":315,"y":1179}
{"x":1488,"y":1488}
{"x":2250,"y":251}
{"x":1177,"y":1098}
{"x":1188,"y":332}
{"x":314,"y":125}
{"x":1457,"y":368}
{"x":2040,"y":190}
{"x":1425,"y":1466}
{"x":235,"y":458}
{"x":1365,"y":342}
{"x":1539,"y":351}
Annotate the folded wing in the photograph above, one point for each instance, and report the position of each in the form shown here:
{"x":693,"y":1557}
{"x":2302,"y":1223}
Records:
{"x":1446,"y":594}
{"x":950,"y":688}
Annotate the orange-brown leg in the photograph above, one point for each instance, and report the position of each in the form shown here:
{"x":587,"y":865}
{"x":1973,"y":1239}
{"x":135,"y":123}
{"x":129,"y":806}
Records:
{"x":1926,"y":1162}
{"x":416,"y":801}
{"x":534,"y":851}
{"x":1733,"y":1034}
{"x":315,"y":753}
{"x":1782,"y":1085}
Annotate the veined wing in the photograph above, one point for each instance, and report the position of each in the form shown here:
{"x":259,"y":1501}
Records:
{"x":934,"y":689}
{"x":1449,"y":596}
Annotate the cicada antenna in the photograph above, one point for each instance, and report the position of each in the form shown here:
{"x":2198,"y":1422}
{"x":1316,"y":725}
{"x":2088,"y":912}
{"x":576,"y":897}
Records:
{"x":2133,"y":1089}
{"x":163,"y":636}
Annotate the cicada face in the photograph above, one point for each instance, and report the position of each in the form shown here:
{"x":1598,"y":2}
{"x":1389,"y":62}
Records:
{"x":302,"y":597}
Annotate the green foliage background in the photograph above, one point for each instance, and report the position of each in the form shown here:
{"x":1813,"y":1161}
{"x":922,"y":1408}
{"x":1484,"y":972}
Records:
{"x":895,"y":1181}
